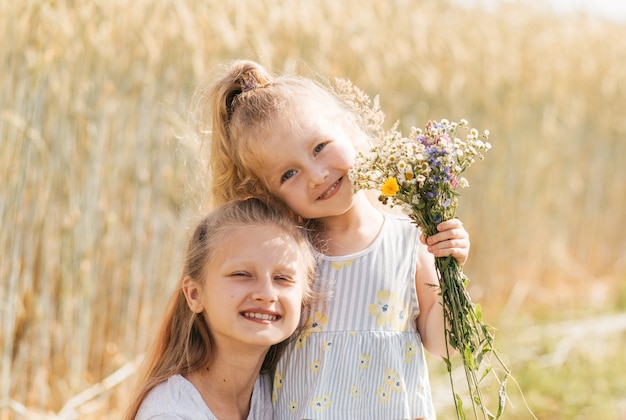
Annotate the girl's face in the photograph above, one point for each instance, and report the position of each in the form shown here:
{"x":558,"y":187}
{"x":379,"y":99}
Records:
{"x":307,"y":168}
{"x":253,"y":289}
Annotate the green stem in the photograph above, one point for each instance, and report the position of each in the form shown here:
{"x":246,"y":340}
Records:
{"x":460,"y":319}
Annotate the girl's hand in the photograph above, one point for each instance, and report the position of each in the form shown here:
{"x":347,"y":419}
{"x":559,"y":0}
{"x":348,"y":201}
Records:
{"x":452,"y":239}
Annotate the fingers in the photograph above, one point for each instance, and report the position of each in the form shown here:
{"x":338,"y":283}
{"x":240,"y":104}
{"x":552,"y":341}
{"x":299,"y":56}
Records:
{"x":452,"y":240}
{"x":459,"y":254}
{"x":458,"y":235}
{"x":452,"y":247}
{"x":450,"y":224}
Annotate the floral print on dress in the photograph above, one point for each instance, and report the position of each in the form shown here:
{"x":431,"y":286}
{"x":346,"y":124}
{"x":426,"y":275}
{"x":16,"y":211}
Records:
{"x":321,"y":403}
{"x":410,"y":350}
{"x":293,"y":406}
{"x":383,"y":394}
{"x":278,"y":379}
{"x":313,"y":324}
{"x":278,"y":384}
{"x":394,"y":380}
{"x":389,"y":311}
{"x":383,"y":310}
{"x":364,"y":361}
{"x":338,"y":265}
{"x":315,"y":366}
{"x":355,"y":391}
{"x":402,"y":319}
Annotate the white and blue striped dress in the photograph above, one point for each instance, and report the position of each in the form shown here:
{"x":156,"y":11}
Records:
{"x":360,"y":355}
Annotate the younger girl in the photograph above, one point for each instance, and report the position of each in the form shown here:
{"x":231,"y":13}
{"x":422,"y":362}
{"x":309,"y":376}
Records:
{"x":360,"y":355}
{"x":246,"y":276}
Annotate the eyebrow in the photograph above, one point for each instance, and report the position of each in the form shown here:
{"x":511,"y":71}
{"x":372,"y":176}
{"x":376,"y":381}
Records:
{"x":271,"y":175}
{"x":276,"y":173}
{"x":263,"y":172}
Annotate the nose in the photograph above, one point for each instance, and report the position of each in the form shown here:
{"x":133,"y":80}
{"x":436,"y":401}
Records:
{"x":265,"y":290}
{"x":318,"y":175}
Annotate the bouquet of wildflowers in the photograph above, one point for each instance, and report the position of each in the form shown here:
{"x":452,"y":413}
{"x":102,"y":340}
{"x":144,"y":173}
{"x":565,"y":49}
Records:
{"x":421,"y":173}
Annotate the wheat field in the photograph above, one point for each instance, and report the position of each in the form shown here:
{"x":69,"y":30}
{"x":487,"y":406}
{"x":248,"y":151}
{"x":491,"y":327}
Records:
{"x":100,"y":177}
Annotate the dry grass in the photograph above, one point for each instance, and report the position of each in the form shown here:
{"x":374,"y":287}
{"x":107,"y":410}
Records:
{"x":95,"y":163}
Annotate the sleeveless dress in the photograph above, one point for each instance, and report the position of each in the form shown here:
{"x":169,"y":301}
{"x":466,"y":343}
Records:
{"x":360,"y":354}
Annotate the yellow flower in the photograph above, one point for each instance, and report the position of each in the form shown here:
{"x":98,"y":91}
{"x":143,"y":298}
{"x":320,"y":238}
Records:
{"x":383,"y":394}
{"x":409,"y":351}
{"x":278,"y":380}
{"x":313,"y":324}
{"x":390,"y":187}
{"x":384,"y":310}
{"x":321,"y":403}
{"x":327,"y":345}
{"x":402,"y":319}
{"x":293,"y":406}
{"x":392,"y":378}
{"x":316,"y":323}
{"x":364,"y":361}
{"x":315,"y":366}
{"x":301,"y":340}
{"x":338,"y":265}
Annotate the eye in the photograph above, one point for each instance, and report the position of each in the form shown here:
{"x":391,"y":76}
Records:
{"x":284,"y":278}
{"x":240,"y":274}
{"x":287,"y":175}
{"x":318,"y":148}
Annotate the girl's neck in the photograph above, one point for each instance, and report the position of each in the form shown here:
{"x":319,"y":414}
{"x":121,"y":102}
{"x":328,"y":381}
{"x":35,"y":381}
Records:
{"x":226,"y":386}
{"x":352,"y":231}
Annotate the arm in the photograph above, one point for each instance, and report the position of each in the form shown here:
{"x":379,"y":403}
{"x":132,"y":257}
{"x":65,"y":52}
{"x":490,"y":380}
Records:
{"x":452,"y":239}
{"x":430,"y":320}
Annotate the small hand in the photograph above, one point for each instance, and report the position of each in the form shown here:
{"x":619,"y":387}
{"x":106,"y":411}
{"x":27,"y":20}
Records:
{"x":452,"y":239}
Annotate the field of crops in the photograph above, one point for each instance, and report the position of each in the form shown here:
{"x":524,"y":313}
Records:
{"x":99,"y":178}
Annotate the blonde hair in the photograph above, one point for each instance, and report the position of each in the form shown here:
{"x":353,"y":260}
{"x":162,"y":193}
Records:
{"x":183,"y":343}
{"x":244,"y":105}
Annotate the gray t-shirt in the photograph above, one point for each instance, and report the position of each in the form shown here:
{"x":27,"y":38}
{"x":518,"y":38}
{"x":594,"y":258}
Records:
{"x":178,"y":399}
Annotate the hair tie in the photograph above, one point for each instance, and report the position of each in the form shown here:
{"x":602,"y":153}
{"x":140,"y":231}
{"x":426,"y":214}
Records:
{"x":249,"y":82}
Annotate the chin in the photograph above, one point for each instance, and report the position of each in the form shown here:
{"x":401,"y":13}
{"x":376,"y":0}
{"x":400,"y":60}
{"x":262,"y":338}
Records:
{"x":273,"y":338}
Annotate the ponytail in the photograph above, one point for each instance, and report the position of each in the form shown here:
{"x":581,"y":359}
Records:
{"x":230,"y":178}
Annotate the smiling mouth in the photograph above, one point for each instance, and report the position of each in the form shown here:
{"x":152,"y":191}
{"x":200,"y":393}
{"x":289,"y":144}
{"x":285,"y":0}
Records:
{"x":329,"y":192}
{"x":262,"y":317}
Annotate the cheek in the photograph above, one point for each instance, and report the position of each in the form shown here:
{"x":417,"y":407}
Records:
{"x":293,"y":197}
{"x":351,"y":155}
{"x":346,"y":155}
{"x":293,"y":299}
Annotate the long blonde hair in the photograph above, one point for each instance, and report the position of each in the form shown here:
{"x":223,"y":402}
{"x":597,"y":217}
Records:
{"x":243,"y":106}
{"x":183,"y":343}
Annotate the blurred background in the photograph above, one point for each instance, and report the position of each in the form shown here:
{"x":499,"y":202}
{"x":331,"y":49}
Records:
{"x":100,"y":176}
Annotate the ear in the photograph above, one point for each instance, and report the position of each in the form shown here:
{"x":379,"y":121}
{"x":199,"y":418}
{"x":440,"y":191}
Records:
{"x":193,"y":295}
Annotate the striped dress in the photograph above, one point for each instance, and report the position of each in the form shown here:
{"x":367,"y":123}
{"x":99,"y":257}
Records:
{"x":360,"y":355}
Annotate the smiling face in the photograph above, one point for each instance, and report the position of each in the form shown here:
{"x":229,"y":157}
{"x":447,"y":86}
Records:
{"x":305,"y":165}
{"x":253,"y":289}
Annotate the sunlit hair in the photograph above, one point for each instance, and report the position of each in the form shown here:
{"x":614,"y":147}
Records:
{"x":243,"y":107}
{"x":183,"y":343}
